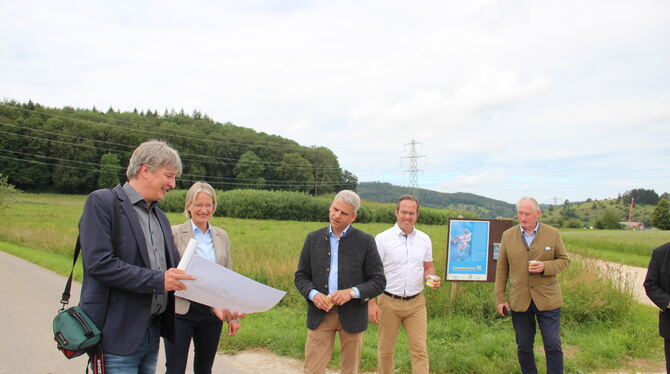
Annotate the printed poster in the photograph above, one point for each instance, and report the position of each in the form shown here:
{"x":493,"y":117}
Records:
{"x":467,"y":250}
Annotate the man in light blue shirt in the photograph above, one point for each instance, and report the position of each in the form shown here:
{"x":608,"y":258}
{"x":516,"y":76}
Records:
{"x":338,"y":272}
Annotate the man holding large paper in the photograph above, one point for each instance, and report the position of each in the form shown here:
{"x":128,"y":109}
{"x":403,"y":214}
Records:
{"x":338,"y":272}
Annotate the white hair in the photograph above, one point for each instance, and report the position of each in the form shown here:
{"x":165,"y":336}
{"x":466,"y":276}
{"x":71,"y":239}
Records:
{"x":532,"y":201}
{"x":155,"y":154}
{"x":350,"y":198}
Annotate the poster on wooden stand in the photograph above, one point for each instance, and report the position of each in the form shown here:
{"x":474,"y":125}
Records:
{"x":473,"y":246}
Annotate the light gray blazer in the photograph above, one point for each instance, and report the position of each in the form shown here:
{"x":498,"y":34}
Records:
{"x":182,"y":234}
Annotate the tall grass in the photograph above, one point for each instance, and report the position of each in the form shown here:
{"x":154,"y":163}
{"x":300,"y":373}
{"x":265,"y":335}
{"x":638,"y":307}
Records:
{"x":602,"y":327}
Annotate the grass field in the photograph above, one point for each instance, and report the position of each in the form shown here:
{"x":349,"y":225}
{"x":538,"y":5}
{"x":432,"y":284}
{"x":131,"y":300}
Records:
{"x":602,"y":328}
{"x":622,"y":246}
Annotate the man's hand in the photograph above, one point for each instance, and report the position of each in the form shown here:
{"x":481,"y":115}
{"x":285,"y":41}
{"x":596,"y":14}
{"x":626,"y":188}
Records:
{"x":437,"y":281}
{"x":233,"y":326}
{"x":536,"y":267}
{"x":226,"y":315}
{"x":340,"y":297}
{"x":374,"y":312}
{"x":322,"y":302}
{"x":502,"y":308}
{"x":173,"y":278}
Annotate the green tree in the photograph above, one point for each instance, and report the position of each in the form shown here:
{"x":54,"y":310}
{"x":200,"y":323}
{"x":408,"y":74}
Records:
{"x":641,"y":196}
{"x":297,"y":172}
{"x":325,"y":168}
{"x":249,"y":171}
{"x":6,"y":190}
{"x":193,"y":171}
{"x":609,"y":220}
{"x":71,"y":173}
{"x":559,"y":222}
{"x":348,"y":181}
{"x":108,"y":175}
{"x":661,"y":216}
{"x":574,"y":223}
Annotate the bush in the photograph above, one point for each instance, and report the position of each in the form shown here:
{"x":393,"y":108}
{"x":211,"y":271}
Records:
{"x":574,"y":223}
{"x":609,"y":220}
{"x":299,"y":206}
{"x":173,"y":201}
{"x":661,"y":216}
{"x":6,"y":190}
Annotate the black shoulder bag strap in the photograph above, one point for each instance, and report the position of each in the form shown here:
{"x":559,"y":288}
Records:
{"x":65,"y":298}
{"x":96,"y":356}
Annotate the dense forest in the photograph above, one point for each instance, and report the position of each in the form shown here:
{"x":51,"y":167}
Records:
{"x":75,"y":150}
{"x":483,"y":207}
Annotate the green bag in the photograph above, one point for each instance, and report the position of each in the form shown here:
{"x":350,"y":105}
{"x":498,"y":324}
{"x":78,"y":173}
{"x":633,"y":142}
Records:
{"x":74,"y":332}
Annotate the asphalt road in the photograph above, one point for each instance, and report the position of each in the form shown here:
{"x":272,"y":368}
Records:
{"x":30,"y":300}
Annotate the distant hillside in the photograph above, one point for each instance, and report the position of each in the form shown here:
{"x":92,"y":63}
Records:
{"x":588,"y":212}
{"x":67,"y":150}
{"x":480,"y":205}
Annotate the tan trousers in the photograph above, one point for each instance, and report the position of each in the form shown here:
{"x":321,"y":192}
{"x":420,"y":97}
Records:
{"x":412,"y":315}
{"x":319,"y":346}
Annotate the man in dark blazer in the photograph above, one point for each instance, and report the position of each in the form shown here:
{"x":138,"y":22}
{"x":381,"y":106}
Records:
{"x":657,"y":286}
{"x":126,"y":290}
{"x":338,"y":272}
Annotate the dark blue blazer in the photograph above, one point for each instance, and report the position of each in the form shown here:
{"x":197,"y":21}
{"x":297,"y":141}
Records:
{"x":657,"y":286}
{"x":118,"y":287}
{"x":359,"y":265}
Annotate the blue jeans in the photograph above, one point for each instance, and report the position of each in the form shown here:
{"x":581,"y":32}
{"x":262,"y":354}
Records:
{"x":142,"y":361}
{"x":550,"y":328}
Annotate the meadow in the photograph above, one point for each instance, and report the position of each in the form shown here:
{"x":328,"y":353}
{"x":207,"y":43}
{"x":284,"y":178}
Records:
{"x":602,"y":327}
{"x":623,"y":246}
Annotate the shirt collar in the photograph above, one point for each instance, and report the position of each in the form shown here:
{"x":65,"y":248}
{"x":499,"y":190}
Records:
{"x":194,"y":227}
{"x":398,"y":231}
{"x":135,"y":196}
{"x":537,"y":227}
{"x":344,"y":233}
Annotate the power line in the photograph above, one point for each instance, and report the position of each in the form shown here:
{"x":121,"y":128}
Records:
{"x":130,"y":147}
{"x":183,"y":179}
{"x":287,"y":182}
{"x":153,"y":133}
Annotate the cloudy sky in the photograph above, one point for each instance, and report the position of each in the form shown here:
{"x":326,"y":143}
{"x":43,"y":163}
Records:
{"x":552,"y":99}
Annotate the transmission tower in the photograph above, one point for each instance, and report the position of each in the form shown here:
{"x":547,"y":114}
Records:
{"x":413,"y":168}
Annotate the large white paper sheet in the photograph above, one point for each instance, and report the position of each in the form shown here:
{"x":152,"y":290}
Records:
{"x":222,"y":288}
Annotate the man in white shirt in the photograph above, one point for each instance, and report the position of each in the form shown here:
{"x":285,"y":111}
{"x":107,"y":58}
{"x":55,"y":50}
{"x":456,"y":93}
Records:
{"x":407,"y":255}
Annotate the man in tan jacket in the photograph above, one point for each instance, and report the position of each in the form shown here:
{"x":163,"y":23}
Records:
{"x":531,"y":255}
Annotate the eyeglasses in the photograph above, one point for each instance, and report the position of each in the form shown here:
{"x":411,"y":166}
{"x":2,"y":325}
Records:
{"x":206,"y":206}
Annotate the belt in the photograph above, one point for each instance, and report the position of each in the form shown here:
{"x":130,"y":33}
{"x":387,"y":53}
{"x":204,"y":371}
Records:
{"x":401,"y":297}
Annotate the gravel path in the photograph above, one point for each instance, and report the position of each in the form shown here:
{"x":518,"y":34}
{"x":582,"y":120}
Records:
{"x":628,"y":278}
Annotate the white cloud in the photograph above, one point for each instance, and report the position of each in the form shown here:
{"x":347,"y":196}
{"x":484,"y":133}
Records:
{"x":496,"y":91}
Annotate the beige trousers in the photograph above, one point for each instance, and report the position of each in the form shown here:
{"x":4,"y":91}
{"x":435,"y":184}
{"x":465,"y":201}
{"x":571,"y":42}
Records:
{"x":412,"y":315}
{"x":319,"y":346}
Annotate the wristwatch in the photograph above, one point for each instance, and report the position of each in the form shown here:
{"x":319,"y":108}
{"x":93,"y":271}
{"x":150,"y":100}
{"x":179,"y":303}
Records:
{"x":352,"y":292}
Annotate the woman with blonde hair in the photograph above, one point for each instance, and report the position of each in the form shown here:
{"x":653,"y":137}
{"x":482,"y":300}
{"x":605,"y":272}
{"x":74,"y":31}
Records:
{"x":196,"y":321}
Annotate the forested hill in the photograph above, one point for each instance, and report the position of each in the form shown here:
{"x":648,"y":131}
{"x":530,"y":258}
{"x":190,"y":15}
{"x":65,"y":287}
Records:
{"x":78,"y":150}
{"x":482,"y":206}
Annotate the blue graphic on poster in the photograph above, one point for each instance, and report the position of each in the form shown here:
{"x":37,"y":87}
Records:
{"x":468,"y":250}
